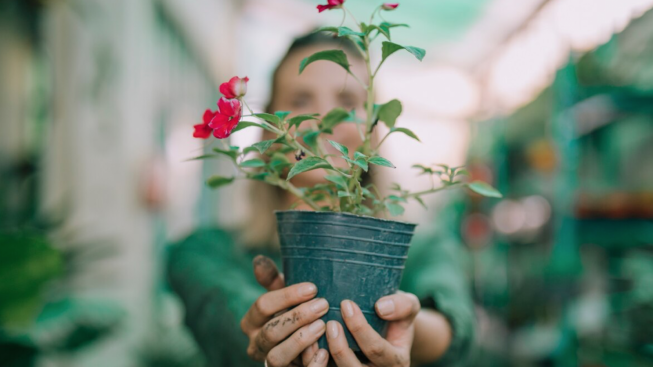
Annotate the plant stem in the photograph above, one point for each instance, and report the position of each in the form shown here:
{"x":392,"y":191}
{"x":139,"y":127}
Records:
{"x":430,"y":191}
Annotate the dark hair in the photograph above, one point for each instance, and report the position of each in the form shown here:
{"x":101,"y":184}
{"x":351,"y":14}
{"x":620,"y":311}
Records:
{"x":312,"y":39}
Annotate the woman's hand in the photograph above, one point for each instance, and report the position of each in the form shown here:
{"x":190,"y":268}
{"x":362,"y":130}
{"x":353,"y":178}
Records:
{"x":400,"y":309}
{"x":276,"y":335}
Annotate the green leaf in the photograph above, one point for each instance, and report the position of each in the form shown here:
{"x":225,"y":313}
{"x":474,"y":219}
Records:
{"x":338,"y":180}
{"x":282,"y":115}
{"x":384,"y":31}
{"x":337,"y":56}
{"x":253,"y":163}
{"x":279,"y":162}
{"x":484,"y":189}
{"x":462,"y":172}
{"x":394,"y":209}
{"x":311,"y":139}
{"x":308,"y":164}
{"x":216,"y":181}
{"x":368,"y":193}
{"x":273,"y":119}
{"x":245,"y":124}
{"x":263,"y":146}
{"x":380,"y":161}
{"x":204,"y":156}
{"x":389,"y":112}
{"x":346,"y":31}
{"x":297,"y":120}
{"x":344,"y":194}
{"x":362,"y":164}
{"x":389,"y":48}
{"x":403,"y":130}
{"x":359,"y":155}
{"x":333,"y":118}
{"x":421,"y":202}
{"x":341,"y":148}
{"x":261,"y":176}
{"x":397,"y":198}
{"x":231,"y":153}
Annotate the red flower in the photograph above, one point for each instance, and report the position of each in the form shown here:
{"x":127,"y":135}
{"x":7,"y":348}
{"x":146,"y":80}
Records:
{"x":389,"y":6}
{"x":235,"y":88}
{"x":228,"y":116}
{"x":203,"y":130}
{"x":331,"y":4}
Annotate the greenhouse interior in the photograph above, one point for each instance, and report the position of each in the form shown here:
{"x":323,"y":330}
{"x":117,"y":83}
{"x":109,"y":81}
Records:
{"x":548,"y":101}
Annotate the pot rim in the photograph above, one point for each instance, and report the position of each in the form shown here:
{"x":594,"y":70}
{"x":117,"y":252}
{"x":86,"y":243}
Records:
{"x":343,"y":214}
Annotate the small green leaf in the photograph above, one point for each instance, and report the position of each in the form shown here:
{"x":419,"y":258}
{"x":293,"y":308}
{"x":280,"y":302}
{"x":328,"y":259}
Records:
{"x":368,"y":193}
{"x":261,"y":176}
{"x":282,"y":115}
{"x":279,"y":162}
{"x":333,"y":118}
{"x":245,"y":124}
{"x":484,"y":189}
{"x":311,"y":139}
{"x":297,"y":120}
{"x":389,"y":48}
{"x":380,"y":161}
{"x":389,"y":112}
{"x":253,"y":163}
{"x":403,"y":130}
{"x":462,"y":172}
{"x":344,"y":194}
{"x":359,"y":155}
{"x":393,"y":25}
{"x":362,"y":164}
{"x":341,"y":148}
{"x":338,"y":180}
{"x":394,"y":209}
{"x":327,"y":29}
{"x":263,"y":146}
{"x":346,"y":31}
{"x":231,"y":153}
{"x":337,"y":56}
{"x":216,"y":181}
{"x":273,"y":119}
{"x":384,"y":31}
{"x":204,"y":156}
{"x":308,"y":164}
{"x":397,"y":198}
{"x":421,"y":202}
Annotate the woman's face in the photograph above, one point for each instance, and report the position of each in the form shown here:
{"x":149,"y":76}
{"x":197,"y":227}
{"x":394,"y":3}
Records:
{"x":322,"y":87}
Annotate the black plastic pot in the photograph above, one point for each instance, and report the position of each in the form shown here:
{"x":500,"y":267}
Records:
{"x":347,"y":257}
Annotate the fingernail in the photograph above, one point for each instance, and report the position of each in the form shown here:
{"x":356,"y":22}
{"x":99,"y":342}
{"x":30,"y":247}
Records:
{"x":348,"y":308}
{"x":333,"y":329}
{"x":316,"y":326}
{"x":320,"y":356}
{"x":319,"y":305}
{"x":385,"y":306}
{"x":307,"y":289}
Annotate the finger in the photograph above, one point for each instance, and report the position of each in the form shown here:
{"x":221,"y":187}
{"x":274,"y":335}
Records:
{"x":279,"y":328}
{"x":399,"y":306}
{"x":291,"y":348}
{"x":377,"y":349}
{"x":340,"y":351}
{"x":272,"y":302}
{"x":309,"y":354}
{"x":267,"y":274}
{"x":320,"y":359}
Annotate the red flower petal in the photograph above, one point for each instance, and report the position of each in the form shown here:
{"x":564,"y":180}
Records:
{"x":208,"y":116}
{"x":202,"y":131}
{"x":229,"y":107}
{"x":390,"y":6}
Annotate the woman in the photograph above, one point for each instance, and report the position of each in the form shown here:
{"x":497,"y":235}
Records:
{"x":231,"y":310}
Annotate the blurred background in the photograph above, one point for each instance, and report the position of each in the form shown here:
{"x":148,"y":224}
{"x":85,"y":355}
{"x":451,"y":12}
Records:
{"x":549,"y":100}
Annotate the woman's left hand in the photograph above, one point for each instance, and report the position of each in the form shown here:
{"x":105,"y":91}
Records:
{"x":400,"y":309}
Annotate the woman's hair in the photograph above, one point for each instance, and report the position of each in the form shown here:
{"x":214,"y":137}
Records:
{"x":265,"y":199}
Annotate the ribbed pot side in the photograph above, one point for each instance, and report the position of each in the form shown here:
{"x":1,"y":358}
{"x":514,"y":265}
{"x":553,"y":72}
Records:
{"x":347,"y":257}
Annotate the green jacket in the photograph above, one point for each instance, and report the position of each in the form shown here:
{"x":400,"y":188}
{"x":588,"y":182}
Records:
{"x":214,"y":278}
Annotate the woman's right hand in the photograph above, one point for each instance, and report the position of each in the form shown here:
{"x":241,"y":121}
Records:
{"x":277,"y":335}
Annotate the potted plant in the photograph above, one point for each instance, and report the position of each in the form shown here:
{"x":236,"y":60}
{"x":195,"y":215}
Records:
{"x":341,"y":246}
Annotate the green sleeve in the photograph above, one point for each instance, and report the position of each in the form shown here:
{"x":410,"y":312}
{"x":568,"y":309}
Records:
{"x":435,"y":272}
{"x":206,"y":271}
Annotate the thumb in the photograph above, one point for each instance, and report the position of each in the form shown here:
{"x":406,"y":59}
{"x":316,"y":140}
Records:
{"x":267,"y":274}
